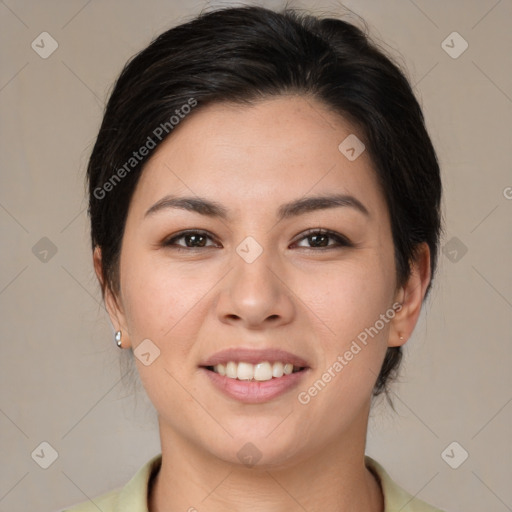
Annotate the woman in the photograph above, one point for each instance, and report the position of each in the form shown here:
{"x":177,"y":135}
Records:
{"x":265,"y":219}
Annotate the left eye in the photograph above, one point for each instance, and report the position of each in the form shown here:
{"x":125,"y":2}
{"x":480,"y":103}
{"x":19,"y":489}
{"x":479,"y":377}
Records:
{"x":319,"y":238}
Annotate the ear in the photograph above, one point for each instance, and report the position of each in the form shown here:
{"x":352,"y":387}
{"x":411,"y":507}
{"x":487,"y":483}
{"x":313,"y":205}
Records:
{"x":112,"y":303}
{"x":411,"y":297}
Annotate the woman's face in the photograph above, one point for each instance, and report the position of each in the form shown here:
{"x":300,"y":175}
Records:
{"x":253,"y":279}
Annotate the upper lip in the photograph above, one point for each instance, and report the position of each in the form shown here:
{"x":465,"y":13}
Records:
{"x":248,"y":355}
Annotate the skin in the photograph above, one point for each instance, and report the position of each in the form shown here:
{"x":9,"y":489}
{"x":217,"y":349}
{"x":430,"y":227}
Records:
{"x":309,"y":300}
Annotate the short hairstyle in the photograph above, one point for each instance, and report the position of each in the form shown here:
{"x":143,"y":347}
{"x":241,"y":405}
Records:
{"x":245,"y":54}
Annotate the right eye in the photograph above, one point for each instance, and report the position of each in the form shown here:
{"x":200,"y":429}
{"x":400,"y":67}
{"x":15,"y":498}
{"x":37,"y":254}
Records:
{"x":194,"y":239}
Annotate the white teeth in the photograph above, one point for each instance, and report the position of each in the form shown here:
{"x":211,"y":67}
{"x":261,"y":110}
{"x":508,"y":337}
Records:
{"x":277,"y":370}
{"x":245,"y":371}
{"x":261,"y":372}
{"x":230,"y":370}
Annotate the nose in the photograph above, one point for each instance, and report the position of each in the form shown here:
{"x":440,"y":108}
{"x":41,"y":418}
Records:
{"x":255,"y":295}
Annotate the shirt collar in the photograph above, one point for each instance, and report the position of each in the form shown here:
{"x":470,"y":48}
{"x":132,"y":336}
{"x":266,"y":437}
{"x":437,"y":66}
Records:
{"x":134,"y":495}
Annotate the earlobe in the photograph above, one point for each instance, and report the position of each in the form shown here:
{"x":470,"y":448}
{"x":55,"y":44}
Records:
{"x":411,"y":297}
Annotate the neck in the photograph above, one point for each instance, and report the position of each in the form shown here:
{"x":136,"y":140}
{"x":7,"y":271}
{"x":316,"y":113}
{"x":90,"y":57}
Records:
{"x":334,"y":478}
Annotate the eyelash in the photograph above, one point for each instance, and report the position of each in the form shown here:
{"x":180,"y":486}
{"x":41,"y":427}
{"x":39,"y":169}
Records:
{"x":340,"y":239}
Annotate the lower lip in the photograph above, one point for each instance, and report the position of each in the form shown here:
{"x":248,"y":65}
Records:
{"x":255,"y":392}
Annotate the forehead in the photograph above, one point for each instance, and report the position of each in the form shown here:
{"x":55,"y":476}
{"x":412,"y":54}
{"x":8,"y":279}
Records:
{"x":253,"y":156}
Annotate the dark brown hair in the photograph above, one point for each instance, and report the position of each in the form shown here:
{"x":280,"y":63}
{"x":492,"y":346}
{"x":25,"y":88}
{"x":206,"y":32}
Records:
{"x":246,"y":54}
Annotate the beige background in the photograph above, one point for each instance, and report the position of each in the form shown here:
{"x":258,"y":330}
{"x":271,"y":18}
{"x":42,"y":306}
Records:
{"x":60,"y":373}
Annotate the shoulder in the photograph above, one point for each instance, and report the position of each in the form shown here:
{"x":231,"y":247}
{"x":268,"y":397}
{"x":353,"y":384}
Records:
{"x":130,"y":498}
{"x":395,"y":498}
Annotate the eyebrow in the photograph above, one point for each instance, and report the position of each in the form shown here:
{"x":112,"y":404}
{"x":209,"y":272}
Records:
{"x":294,"y":208}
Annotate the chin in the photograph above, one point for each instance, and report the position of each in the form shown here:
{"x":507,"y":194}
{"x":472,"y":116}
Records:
{"x":261,"y":450}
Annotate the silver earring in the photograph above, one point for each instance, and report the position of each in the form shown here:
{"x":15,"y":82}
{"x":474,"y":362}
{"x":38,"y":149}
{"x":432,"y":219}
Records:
{"x":118,"y":339}
{"x":401,"y":338}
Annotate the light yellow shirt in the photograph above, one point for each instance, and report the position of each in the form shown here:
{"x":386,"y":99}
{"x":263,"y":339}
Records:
{"x":133,"y":497}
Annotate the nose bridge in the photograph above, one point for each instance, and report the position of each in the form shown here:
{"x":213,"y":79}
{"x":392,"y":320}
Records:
{"x":252,"y":280}
{"x":254,"y":292}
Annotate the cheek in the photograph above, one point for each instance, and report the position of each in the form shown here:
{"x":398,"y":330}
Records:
{"x":350,"y":296}
{"x":158,"y":295}
{"x":163,"y":302}
{"x":352,"y":312}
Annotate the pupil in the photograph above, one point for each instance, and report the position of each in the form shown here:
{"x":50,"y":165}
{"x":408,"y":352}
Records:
{"x":315,"y":238}
{"x":195,"y":237}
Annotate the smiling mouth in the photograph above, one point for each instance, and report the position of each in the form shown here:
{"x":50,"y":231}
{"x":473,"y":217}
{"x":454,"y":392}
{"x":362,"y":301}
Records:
{"x":259,"y":372}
